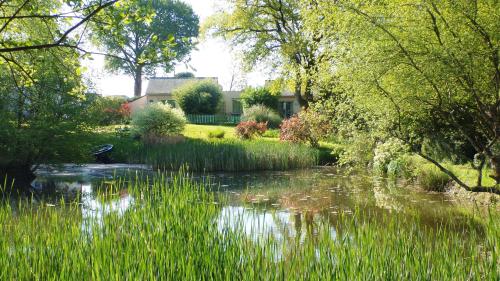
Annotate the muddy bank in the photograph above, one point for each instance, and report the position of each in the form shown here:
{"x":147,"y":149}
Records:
{"x":481,"y":199}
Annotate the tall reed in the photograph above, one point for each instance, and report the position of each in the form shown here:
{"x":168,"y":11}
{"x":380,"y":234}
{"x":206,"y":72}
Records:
{"x":171,"y":233}
{"x":227,"y":155}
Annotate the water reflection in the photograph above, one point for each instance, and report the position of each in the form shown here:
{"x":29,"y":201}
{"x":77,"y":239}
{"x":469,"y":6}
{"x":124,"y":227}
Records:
{"x":287,"y":205}
{"x":95,"y":209}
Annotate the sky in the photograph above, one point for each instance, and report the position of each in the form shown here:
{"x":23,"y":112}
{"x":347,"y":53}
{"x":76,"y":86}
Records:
{"x":213,"y":58}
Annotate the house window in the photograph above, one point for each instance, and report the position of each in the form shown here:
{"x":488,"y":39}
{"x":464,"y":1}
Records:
{"x":237,"y":107}
{"x":151,"y":101}
{"x":286,"y":109}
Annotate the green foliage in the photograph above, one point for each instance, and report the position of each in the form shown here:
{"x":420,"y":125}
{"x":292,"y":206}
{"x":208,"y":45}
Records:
{"x":203,"y":246}
{"x":262,"y":114}
{"x":184,"y":75}
{"x":199,"y":97}
{"x":431,"y":178}
{"x":272,"y":32}
{"x":259,"y":96}
{"x":216,"y":134}
{"x":422,"y":72}
{"x":109,"y":111}
{"x":272,"y":133}
{"x":43,"y":112}
{"x":141,"y":35}
{"x":158,"y":120}
{"x":226,"y":155}
{"x":387,"y":153}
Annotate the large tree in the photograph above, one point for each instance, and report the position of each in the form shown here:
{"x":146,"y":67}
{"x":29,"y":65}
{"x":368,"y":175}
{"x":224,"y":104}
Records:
{"x":141,"y":35}
{"x":47,"y":16}
{"x":42,"y":97}
{"x":427,"y":70}
{"x":272,"y":31}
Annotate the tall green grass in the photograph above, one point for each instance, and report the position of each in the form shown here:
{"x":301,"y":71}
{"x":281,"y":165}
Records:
{"x":227,"y":155}
{"x":171,"y":233}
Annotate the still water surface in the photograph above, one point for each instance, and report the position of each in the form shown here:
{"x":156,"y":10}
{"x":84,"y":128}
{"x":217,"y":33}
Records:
{"x":285,"y":204}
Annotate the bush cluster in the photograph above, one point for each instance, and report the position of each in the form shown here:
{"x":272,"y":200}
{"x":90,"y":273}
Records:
{"x":203,"y":97}
{"x":250,"y":129}
{"x":158,"y":120}
{"x":262,"y":114}
{"x":259,"y":96}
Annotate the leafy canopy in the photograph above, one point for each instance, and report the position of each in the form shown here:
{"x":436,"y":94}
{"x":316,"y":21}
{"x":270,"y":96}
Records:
{"x":199,"y":97}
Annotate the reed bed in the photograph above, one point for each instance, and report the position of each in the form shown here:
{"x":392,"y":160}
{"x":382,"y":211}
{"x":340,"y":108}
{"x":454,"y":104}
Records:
{"x":170,"y":233}
{"x":227,"y":155}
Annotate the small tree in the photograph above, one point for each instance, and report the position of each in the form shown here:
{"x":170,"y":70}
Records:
{"x":202,"y":97}
{"x":260,"y":95}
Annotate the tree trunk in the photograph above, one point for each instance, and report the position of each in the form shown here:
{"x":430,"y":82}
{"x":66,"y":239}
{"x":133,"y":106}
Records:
{"x":495,"y":166}
{"x":138,"y":81}
{"x":298,"y":92}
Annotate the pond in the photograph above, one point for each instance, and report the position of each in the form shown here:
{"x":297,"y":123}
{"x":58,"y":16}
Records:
{"x":289,"y":205}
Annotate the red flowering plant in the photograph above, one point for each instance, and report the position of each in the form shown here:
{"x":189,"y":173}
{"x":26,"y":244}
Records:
{"x":307,"y":126}
{"x":250,"y":129}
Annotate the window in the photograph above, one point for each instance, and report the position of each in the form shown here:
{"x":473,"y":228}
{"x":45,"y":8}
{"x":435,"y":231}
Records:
{"x":151,"y":101}
{"x":286,"y":109}
{"x":237,"y":107}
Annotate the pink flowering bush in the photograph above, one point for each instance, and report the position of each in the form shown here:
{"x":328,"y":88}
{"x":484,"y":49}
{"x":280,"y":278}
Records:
{"x":250,"y":129}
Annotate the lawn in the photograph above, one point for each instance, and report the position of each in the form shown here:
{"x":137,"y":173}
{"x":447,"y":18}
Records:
{"x":201,"y":131}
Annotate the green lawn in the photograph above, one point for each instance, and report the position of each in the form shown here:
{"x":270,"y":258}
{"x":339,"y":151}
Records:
{"x":201,"y":131}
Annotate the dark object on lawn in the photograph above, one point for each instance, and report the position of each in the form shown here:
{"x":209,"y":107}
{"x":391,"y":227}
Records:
{"x":102,"y":152}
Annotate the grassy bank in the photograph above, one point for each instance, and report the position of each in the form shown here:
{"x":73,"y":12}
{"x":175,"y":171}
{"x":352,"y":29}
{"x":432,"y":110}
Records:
{"x":170,"y":233}
{"x":201,"y":153}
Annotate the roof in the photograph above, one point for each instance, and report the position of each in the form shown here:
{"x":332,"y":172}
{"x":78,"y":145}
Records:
{"x":166,"y":85}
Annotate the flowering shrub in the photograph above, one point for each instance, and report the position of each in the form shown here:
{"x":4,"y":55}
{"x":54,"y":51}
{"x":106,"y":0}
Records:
{"x":387,"y":151}
{"x":294,"y":129}
{"x":250,"y":129}
{"x":307,"y":126}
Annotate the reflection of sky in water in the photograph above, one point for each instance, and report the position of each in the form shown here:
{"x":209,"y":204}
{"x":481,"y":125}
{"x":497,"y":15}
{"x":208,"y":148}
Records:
{"x":282,"y":225}
{"x":94,"y":210}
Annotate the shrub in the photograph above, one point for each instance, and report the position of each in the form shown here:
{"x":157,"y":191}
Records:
{"x":216,"y":134}
{"x":158,"y":120}
{"x":259,"y":96}
{"x":250,"y":129}
{"x":307,"y":126}
{"x":199,"y":97}
{"x":109,"y":111}
{"x":385,"y":153}
{"x":294,"y":130}
{"x":262,"y":114}
{"x":184,"y":75}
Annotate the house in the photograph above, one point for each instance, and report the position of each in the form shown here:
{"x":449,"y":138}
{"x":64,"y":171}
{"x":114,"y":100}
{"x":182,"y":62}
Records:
{"x":160,"y":89}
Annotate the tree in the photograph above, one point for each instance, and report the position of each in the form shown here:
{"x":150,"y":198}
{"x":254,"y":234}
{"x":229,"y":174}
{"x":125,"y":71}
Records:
{"x":42,"y":114}
{"x":202,"y":97}
{"x":140,"y":35}
{"x":18,"y":15}
{"x":259,"y":96}
{"x":273,"y":30}
{"x":426,"y":70}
